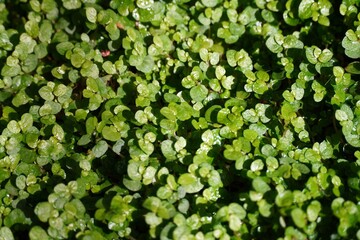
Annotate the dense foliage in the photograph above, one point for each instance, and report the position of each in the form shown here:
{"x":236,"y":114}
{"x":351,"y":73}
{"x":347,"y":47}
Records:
{"x":179,"y":119}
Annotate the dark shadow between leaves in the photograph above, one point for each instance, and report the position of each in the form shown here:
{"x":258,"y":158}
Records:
{"x":111,"y":166}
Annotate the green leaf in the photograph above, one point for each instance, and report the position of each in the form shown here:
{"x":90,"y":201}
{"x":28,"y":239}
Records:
{"x":13,"y":126}
{"x":32,"y":28}
{"x":88,"y":69}
{"x":163,"y":42}
{"x":152,"y":204}
{"x":250,"y":115}
{"x":305,"y":10}
{"x":312,"y":54}
{"x":10,"y":71}
{"x":100,"y":148}
{"x":237,"y":210}
{"x":84,"y":140}
{"x":27,"y":169}
{"x":168,"y":125}
{"x":219,"y":72}
{"x":91,"y":14}
{"x":184,"y":111}
{"x":145,"y":64}
{"x":5,"y":41}
{"x":48,"y":5}
{"x":118,"y":146}
{"x":169,"y":113}
{"x":312,"y":156}
{"x":63,"y":47}
{"x":222,"y":116}
{"x":284,"y":199}
{"x":231,"y":59}
{"x":49,"y":108}
{"x":257,"y":165}
{"x":347,"y":110}
{"x":338,"y":71}
{"x":60,"y":90}
{"x":272,"y":163}
{"x":299,"y":217}
{"x":46,"y":93}
{"x":4,"y":174}
{"x":184,"y":205}
{"x":292,"y":41}
{"x":260,"y":185}
{"x":313,"y":210}
{"x":264,"y":208}
{"x":149,"y":175}
{"x":236,"y":30}
{"x":166,"y":210}
{"x":208,"y":137}
{"x":71,"y":4}
{"x":21,"y":98}
{"x":77,"y":59}
{"x":58,"y":132}
{"x":16,"y":216}
{"x":214,"y":58}
{"x":210,"y":3}
{"x":273,"y":45}
{"x":214,"y":179}
{"x":45,"y":32}
{"x":168,"y":150}
{"x":269,"y":150}
{"x":347,"y":129}
{"x":235,"y":223}
{"x":164,"y":192}
{"x":351,"y":44}
{"x":325,"y":56}
{"x":152,"y":220}
{"x":80,"y":114}
{"x":43,"y":211}
{"x":287,"y":111}
{"x":110,"y":133}
{"x":198,"y":93}
{"x":91,"y":124}
{"x":190,"y":183}
{"x":6,"y":233}
{"x":250,"y":135}
{"x":180,"y":144}
{"x":326,"y":150}
{"x":340,"y":115}
{"x":132,"y":185}
{"x":109,"y":67}
{"x":353,"y":68}
{"x":30,"y":63}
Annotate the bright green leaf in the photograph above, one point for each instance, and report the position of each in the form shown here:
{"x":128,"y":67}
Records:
{"x":198,"y":93}
{"x":190,"y":183}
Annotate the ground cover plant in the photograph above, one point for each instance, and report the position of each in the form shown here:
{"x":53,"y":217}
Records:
{"x":179,"y":119}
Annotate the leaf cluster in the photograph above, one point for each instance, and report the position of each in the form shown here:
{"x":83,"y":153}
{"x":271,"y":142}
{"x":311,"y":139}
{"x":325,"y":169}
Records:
{"x":179,"y":119}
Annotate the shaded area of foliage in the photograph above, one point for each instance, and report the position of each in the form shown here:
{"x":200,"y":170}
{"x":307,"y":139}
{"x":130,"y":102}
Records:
{"x":179,"y":119}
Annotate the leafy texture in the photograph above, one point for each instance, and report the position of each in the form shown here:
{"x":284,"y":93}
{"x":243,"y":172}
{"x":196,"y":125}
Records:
{"x":179,"y":119}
